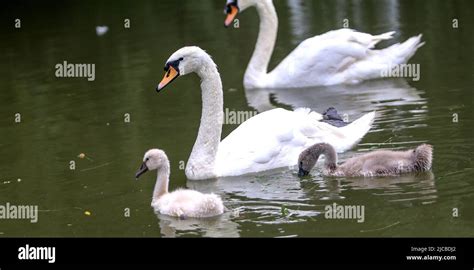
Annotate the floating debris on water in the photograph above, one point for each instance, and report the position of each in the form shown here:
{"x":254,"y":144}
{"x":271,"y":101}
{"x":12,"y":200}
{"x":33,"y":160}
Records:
{"x":83,"y":155}
{"x":87,"y":213}
{"x":101,"y":30}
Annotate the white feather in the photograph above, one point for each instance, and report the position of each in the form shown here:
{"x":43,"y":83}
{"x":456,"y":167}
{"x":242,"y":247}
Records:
{"x":189,"y":203}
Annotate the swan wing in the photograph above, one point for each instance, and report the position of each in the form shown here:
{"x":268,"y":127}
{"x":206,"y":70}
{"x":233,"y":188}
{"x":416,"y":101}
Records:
{"x":275,"y":138}
{"x":189,"y":203}
{"x":339,"y":56}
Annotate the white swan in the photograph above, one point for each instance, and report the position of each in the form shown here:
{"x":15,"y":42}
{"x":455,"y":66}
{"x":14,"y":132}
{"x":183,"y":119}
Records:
{"x":181,"y":203}
{"x":269,"y":140}
{"x":341,"y":56}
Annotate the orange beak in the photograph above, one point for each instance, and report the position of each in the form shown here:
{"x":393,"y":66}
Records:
{"x":170,"y":75}
{"x":231,"y":15}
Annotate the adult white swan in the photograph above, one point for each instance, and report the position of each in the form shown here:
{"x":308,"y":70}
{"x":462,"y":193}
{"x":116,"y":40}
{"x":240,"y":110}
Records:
{"x":269,"y":140}
{"x":337,"y":57}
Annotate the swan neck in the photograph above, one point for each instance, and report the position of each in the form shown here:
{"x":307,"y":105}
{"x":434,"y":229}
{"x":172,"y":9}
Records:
{"x":162,"y":181}
{"x":329,"y":155}
{"x":258,"y":65}
{"x":202,"y":159}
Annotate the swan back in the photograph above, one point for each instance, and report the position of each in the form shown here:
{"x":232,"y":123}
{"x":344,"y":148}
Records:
{"x":189,"y":203}
{"x":388,"y":163}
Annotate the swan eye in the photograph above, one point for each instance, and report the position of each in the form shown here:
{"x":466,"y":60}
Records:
{"x":228,"y":9}
{"x":174,"y":64}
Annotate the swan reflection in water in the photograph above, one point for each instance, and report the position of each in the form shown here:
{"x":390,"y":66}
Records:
{"x":348,"y":99}
{"x":404,"y":188}
{"x":262,"y":198}
{"x":219,"y":226}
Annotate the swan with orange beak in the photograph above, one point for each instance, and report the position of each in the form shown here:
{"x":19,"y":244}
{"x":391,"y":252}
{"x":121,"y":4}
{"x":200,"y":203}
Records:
{"x":266,"y":141}
{"x":341,"y":56}
{"x":171,"y":73}
{"x":231,"y":9}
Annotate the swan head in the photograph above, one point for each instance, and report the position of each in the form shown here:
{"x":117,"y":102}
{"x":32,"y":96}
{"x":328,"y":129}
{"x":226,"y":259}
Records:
{"x":234,"y":7}
{"x":184,"y":61}
{"x":306,"y":162}
{"x":308,"y":158}
{"x":154,"y":159}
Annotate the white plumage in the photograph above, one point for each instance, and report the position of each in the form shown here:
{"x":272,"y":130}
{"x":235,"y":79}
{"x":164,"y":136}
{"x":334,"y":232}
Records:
{"x":181,"y":203}
{"x":341,"y":56}
{"x":275,"y":138}
{"x":269,"y":140}
{"x":189,"y":203}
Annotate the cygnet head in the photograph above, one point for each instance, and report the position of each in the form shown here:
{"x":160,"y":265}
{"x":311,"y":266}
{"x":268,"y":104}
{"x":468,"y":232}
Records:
{"x":154,"y":159}
{"x":423,"y":156}
{"x":234,"y":7}
{"x":310,"y":156}
{"x":184,"y":61}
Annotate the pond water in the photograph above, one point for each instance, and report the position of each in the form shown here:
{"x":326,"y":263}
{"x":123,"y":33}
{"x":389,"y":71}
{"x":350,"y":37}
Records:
{"x":63,"y":117}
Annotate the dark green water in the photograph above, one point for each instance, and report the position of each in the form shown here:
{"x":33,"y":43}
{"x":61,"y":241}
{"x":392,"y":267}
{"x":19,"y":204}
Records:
{"x":63,"y":117}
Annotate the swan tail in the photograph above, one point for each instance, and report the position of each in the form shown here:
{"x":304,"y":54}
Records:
{"x":385,"y":36}
{"x":400,"y":53}
{"x":423,"y":157}
{"x":303,"y":112}
{"x":211,"y":205}
{"x":357,"y":130}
